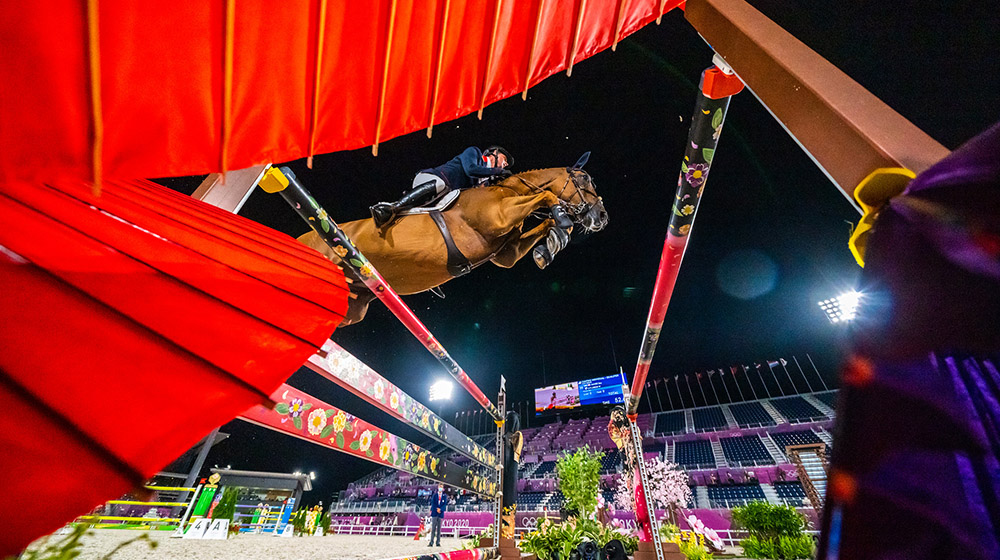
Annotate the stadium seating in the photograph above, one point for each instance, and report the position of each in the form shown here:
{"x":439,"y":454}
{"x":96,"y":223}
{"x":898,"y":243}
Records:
{"x":669,"y":423}
{"x":548,"y":467}
{"x":791,"y":493}
{"x":745,"y":451}
{"x":694,"y":454}
{"x":750,"y":415}
{"x":797,"y":410}
{"x":799,"y":437}
{"x":732,"y":495}
{"x":388,"y":489}
{"x":610,"y":461}
{"x":829,"y":399}
{"x":709,"y":419}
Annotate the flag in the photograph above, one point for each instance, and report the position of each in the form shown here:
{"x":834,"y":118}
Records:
{"x":772,"y":364}
{"x":698,"y":374}
{"x":756,"y":365}
{"x":711,"y":372}
{"x":783,"y":362}
{"x":676,"y":376}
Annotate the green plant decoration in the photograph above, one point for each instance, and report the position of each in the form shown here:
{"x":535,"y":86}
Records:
{"x":579,"y":479}
{"x":226,"y":509}
{"x":556,"y":541}
{"x":776,"y":532}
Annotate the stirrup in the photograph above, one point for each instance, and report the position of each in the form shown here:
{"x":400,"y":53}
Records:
{"x":382,"y":214}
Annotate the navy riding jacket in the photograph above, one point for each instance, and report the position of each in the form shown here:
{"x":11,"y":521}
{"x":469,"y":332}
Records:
{"x":439,"y":503}
{"x":465,"y":170}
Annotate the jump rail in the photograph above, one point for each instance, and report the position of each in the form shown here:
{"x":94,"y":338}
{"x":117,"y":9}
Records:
{"x":284,"y":181}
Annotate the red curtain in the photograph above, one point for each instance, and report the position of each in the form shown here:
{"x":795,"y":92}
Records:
{"x":161,"y":71}
{"x":131,"y":324}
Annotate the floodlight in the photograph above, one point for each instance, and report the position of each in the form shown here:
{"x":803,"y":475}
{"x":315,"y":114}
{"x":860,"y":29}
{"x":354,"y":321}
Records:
{"x":842,"y":308}
{"x":441,"y":390}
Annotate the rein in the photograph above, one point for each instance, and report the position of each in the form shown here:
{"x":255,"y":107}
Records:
{"x":574,"y":210}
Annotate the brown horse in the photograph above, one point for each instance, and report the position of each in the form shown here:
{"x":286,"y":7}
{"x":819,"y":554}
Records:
{"x":485,"y":224}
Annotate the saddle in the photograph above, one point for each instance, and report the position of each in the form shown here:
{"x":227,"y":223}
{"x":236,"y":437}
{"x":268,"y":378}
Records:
{"x":439,"y":204}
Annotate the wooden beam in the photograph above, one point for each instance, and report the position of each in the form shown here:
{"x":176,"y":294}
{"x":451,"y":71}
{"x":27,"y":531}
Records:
{"x":845,"y":129}
{"x":437,"y":71}
{"x":385,"y":78}
{"x":531,"y":53}
{"x":576,"y":38}
{"x":489,"y":58}
{"x":234,"y":192}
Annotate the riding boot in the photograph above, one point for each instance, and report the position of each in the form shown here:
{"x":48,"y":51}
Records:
{"x":385,"y":212}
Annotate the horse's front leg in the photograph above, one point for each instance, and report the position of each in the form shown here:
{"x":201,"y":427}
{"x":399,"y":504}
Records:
{"x":513,"y":251}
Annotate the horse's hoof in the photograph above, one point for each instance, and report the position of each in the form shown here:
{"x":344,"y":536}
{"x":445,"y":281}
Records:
{"x":542,"y":256}
{"x":562,"y":219}
{"x":556,"y":240}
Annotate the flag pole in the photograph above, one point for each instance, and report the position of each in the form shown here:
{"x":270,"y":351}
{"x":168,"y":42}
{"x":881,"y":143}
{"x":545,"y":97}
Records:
{"x":783,"y":363}
{"x":803,"y":374}
{"x":764,"y":383}
{"x":778,"y":383}
{"x":751,"y":384}
{"x":666,"y":384}
{"x":722,"y":378}
{"x":825,"y":388}
{"x":714,"y":392}
{"x":697,"y":377}
{"x":737,"y":382}
{"x":687,"y":381}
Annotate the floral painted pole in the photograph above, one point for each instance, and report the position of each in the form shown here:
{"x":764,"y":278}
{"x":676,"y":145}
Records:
{"x":283,"y":181}
{"x":339,"y":366}
{"x":306,"y":417}
{"x":718,"y":84}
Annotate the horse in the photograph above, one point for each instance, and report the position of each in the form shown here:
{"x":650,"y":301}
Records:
{"x":420,"y":252}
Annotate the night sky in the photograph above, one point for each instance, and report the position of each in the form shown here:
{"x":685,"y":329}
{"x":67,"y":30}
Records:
{"x":770,"y":239}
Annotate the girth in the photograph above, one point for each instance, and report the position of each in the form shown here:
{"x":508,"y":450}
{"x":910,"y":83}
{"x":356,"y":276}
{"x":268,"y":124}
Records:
{"x":458,"y":264}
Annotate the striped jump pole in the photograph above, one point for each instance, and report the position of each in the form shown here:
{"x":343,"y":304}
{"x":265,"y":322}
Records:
{"x":718,"y":84}
{"x":283,"y":181}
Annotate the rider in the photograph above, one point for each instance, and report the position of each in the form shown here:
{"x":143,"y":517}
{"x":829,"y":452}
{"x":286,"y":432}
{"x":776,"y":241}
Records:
{"x":470,"y":168}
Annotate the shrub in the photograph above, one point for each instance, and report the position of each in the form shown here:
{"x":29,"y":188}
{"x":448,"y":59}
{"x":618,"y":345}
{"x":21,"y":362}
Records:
{"x":579,"y":479}
{"x":775,"y":532}
{"x":694,"y":551}
{"x":552,"y":541}
{"x":226,"y":509}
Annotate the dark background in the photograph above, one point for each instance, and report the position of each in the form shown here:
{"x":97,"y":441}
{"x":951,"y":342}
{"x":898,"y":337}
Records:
{"x":770,"y":226}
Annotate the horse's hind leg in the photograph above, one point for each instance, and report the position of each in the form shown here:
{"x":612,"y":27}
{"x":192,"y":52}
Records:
{"x":515,"y":250}
{"x":357,"y":307}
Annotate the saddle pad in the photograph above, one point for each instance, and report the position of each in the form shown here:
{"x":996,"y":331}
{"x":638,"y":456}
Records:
{"x":442,"y":204}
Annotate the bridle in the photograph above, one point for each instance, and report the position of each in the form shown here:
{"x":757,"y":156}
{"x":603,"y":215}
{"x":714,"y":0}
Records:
{"x":583,"y":185}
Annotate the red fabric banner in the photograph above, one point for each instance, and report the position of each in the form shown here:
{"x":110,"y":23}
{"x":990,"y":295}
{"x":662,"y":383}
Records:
{"x":162,"y":105}
{"x":132,"y":324}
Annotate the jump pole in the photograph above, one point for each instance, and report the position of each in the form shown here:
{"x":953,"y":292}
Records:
{"x":718,"y":85}
{"x":283,"y":181}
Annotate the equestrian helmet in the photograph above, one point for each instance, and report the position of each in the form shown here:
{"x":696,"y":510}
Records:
{"x":499,"y":150}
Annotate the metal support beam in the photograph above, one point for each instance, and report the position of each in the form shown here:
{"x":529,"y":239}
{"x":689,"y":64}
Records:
{"x":845,"y":129}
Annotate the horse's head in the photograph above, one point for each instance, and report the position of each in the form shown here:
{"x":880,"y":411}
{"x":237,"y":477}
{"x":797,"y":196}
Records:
{"x":575,"y":189}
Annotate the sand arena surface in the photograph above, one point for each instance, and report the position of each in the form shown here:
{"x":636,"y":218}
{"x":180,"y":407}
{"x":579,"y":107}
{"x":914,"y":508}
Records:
{"x":98,"y":543}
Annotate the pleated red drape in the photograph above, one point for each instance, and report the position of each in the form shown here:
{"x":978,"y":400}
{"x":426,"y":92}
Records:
{"x":161,"y":69}
{"x":131,"y":324}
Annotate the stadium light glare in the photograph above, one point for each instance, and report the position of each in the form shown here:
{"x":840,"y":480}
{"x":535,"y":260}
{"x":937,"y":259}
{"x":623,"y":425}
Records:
{"x":441,"y":390}
{"x":843,"y":308}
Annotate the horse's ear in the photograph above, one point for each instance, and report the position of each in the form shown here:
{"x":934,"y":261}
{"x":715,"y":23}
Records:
{"x":582,"y":161}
